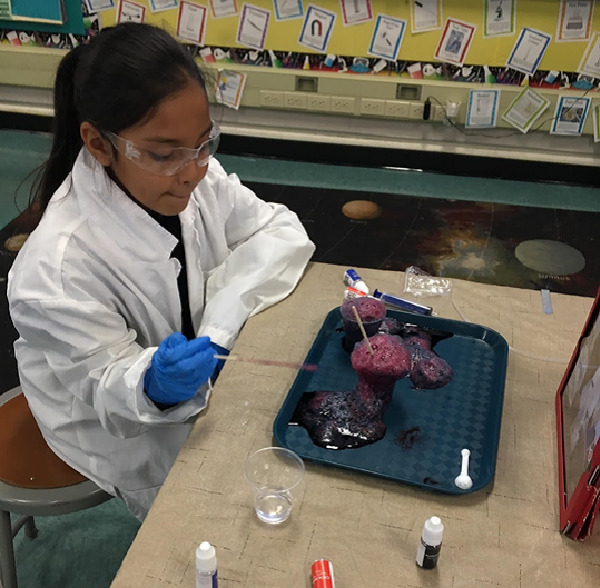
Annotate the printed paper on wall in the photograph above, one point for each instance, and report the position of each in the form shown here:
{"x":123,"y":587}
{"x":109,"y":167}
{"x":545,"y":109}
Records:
{"x":223,"y":8}
{"x":525,"y":109}
{"x":356,"y":11}
{"x":590,"y":61}
{"x":130,"y":11}
{"x":99,"y":5}
{"x":425,"y":15}
{"x":482,"y":109}
{"x":287,"y":9}
{"x":455,"y":41}
{"x":529,"y":50}
{"x":574,"y":20}
{"x":229,"y":88}
{"x":191,"y":22}
{"x":161,"y":5}
{"x":253,"y":25}
{"x":387,"y":37}
{"x":317,"y":28}
{"x":499,"y":17}
{"x":570,"y":116}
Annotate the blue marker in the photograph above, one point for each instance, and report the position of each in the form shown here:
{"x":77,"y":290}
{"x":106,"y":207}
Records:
{"x":402,"y":304}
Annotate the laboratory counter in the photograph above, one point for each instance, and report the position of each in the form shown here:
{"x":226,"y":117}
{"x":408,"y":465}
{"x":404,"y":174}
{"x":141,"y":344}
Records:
{"x":505,"y":534}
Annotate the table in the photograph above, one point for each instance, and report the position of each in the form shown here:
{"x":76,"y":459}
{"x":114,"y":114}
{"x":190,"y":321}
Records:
{"x":503,"y":535}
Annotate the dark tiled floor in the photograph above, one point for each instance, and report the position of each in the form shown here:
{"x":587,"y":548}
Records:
{"x":451,"y":238}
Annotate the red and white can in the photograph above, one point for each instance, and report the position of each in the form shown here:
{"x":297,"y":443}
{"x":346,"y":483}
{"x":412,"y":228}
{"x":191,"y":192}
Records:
{"x":322,"y":574}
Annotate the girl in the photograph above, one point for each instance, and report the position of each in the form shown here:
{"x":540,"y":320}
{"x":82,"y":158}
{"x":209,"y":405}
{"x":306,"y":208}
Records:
{"x":148,"y":260}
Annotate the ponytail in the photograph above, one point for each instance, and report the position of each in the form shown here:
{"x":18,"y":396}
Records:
{"x":66,"y":142}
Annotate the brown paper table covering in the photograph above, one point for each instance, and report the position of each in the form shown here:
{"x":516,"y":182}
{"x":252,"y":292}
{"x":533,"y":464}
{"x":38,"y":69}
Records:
{"x":503,"y":535}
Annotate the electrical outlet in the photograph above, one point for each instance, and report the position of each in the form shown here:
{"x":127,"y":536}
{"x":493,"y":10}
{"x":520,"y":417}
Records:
{"x":342,"y":104}
{"x":372,"y":106}
{"x":397,"y":108}
{"x":438,"y":112}
{"x":294,"y":100}
{"x":271,"y":99}
{"x":416,"y":110}
{"x":318,"y":102}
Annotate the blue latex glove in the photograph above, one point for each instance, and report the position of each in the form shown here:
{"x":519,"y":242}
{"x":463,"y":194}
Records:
{"x":178,"y":368}
{"x":218,"y":350}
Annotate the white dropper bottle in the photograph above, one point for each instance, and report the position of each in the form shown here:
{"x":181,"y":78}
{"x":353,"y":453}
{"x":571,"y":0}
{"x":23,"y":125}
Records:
{"x":206,"y":566}
{"x":431,"y":543}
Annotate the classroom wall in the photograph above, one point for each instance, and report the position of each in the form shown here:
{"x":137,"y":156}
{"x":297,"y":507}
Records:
{"x":354,"y":40}
{"x":271,"y":88}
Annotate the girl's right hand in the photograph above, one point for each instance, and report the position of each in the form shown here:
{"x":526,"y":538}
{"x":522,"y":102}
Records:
{"x":178,"y":368}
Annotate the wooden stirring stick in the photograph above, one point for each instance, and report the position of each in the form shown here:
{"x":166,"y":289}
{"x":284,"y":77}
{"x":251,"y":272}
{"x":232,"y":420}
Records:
{"x":362,"y":330}
{"x":307,"y":367}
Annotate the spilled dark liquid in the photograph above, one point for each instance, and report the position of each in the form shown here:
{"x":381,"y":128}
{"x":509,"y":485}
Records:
{"x":342,"y":419}
{"x":409,"y":438}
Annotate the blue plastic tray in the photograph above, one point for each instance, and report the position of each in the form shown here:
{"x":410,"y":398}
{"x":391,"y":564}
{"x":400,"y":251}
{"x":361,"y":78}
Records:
{"x":426,"y":429}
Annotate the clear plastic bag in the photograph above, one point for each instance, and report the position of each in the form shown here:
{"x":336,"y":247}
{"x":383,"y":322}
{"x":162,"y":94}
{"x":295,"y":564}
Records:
{"x":419,"y":283}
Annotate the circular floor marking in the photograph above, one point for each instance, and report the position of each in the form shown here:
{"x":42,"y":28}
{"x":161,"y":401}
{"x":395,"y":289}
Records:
{"x":550,"y":257}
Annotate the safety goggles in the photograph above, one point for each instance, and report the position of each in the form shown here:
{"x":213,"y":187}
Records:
{"x":165,"y":160}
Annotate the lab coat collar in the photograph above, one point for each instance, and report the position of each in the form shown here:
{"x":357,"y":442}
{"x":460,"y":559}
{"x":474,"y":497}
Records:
{"x":131,"y":226}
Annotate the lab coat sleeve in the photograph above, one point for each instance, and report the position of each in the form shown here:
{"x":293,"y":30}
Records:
{"x":93,"y":354}
{"x":269,"y":250}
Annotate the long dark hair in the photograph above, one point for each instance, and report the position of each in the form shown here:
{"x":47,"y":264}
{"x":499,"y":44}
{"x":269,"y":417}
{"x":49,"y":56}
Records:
{"x":115,"y":81}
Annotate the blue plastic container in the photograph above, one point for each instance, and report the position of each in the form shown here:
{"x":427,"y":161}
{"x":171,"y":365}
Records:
{"x":426,"y":429}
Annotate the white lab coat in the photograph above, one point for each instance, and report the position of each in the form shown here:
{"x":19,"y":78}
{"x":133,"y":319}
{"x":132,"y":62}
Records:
{"x":93,"y":292}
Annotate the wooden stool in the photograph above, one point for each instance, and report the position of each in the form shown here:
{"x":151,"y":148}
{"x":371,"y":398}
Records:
{"x":34,"y":481}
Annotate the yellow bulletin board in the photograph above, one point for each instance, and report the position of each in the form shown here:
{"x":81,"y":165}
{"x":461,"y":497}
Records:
{"x":354,"y":40}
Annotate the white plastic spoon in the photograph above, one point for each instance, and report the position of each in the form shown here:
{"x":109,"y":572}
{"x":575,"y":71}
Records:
{"x":464,"y":481}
